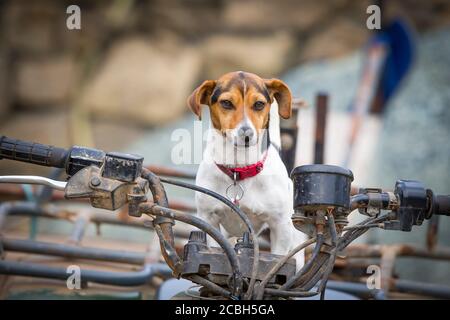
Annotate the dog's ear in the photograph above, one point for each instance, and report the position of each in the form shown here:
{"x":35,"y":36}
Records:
{"x":280,"y":91}
{"x":201,"y":96}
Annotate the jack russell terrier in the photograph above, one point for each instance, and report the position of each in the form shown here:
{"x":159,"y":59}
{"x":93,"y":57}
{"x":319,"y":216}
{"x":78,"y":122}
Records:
{"x":241,"y":159}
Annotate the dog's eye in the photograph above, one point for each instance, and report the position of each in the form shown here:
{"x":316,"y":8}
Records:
{"x":259,"y":105}
{"x":226,"y":104}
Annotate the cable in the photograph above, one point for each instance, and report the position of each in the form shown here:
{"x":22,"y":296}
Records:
{"x":284,"y":293}
{"x":202,"y":225}
{"x":351,"y":235}
{"x":288,"y":284}
{"x":334,"y":239}
{"x":371,"y":225}
{"x":241,"y":214}
{"x":278,"y":266}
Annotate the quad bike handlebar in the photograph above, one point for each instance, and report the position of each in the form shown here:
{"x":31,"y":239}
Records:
{"x":322,"y":203}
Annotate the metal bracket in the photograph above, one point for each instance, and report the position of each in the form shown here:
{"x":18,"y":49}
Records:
{"x":375,"y":202}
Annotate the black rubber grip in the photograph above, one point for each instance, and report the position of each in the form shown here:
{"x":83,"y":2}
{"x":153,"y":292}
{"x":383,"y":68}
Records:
{"x":31,"y":152}
{"x":442,"y":204}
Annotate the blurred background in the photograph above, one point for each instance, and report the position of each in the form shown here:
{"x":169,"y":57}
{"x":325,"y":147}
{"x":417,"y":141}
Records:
{"x":121,"y":82}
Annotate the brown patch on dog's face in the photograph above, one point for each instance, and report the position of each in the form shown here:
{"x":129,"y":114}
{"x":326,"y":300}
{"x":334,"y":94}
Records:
{"x":240,"y":103}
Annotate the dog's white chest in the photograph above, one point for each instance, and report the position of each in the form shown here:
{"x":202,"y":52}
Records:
{"x":267,"y":197}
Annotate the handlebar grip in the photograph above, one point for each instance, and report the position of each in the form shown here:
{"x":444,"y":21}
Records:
{"x":443,"y":205}
{"x":31,"y":152}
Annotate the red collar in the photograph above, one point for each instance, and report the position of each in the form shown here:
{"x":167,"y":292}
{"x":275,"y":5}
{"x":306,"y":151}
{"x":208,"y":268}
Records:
{"x":244,"y":172}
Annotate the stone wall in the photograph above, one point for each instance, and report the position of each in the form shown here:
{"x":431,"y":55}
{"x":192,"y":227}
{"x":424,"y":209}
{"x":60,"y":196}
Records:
{"x":133,"y":63}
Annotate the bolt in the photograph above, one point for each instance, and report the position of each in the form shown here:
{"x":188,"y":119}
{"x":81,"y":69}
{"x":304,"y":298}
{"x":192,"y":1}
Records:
{"x":95,"y":182}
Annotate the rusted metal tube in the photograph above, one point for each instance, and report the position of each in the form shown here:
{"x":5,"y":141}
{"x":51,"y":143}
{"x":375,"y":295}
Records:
{"x":163,"y":225}
{"x":432,"y":232}
{"x":321,"y":122}
{"x":79,"y":228}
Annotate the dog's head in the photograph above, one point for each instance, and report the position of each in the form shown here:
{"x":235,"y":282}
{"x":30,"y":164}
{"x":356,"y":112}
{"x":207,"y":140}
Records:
{"x":239,"y":104}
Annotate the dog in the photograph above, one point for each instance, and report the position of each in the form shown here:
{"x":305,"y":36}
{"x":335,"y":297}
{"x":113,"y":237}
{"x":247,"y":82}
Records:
{"x":242,"y":155}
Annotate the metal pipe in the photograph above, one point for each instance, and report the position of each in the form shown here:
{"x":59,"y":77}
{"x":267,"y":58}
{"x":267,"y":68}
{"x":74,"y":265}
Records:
{"x":58,"y":185}
{"x":358,"y":289}
{"x":288,"y":294}
{"x":288,"y":137}
{"x":13,"y":207}
{"x":125,"y":279}
{"x":404,"y":286}
{"x":403,"y":250}
{"x":11,"y":192}
{"x":427,"y":289}
{"x":163,"y":225}
{"x":73,"y":252}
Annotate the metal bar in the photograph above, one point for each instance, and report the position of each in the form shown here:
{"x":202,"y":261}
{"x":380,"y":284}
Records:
{"x":376,"y":55}
{"x":404,"y":286}
{"x":68,"y":251}
{"x":358,"y":289}
{"x":288,"y":136}
{"x":421,"y":288}
{"x":432,"y":232}
{"x":368,"y":251}
{"x":79,"y":228}
{"x":7,"y":208}
{"x":125,"y":279}
{"x":22,"y":208}
{"x":321,"y":123}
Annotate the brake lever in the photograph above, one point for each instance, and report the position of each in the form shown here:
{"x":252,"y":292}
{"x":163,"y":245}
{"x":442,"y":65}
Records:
{"x":88,"y":182}
{"x":55,"y":184}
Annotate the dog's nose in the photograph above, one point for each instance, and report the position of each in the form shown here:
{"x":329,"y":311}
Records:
{"x":246,"y":133}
